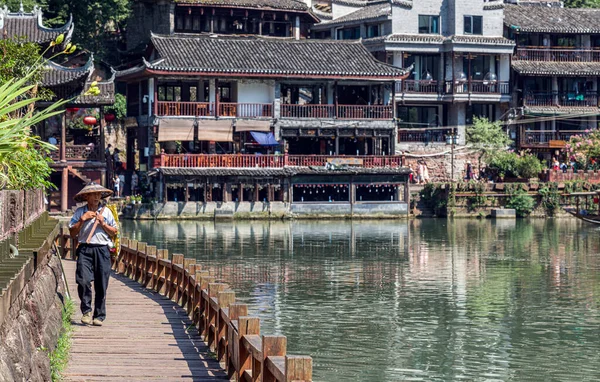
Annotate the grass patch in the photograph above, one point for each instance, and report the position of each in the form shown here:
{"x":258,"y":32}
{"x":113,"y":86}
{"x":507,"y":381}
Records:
{"x":60,"y":356}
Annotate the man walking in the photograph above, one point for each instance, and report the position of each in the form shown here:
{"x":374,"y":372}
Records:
{"x":94,"y":225}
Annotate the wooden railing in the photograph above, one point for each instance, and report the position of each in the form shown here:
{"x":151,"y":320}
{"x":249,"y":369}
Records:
{"x":268,"y":161}
{"x":557,"y":54}
{"x":246,"y":110}
{"x":477,"y":87}
{"x":225,"y":326}
{"x":307,"y":111}
{"x":422,"y":135}
{"x":547,"y":138}
{"x":78,"y":153}
{"x":566,"y":99}
{"x":419,"y":86}
{"x":192,"y":109}
{"x":341,"y":111}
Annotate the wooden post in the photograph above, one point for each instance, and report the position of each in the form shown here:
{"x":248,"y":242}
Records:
{"x":272,"y":346}
{"x":246,"y":326}
{"x":64,"y":191}
{"x":298,"y":368}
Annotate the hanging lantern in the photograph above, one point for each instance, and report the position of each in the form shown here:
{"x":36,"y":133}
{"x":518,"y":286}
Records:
{"x":72,"y":109}
{"x":89,"y":120}
{"x":109,"y":117}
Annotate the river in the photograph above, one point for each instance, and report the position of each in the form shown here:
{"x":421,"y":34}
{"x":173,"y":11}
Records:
{"x":432,"y":300}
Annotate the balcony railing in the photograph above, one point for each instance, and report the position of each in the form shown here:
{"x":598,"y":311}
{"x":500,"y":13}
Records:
{"x":565,"y":99}
{"x":340,"y":112}
{"x":267,"y":161}
{"x":207,"y":109}
{"x":477,"y":87}
{"x":419,"y":86}
{"x":422,"y":135}
{"x":547,"y":138}
{"x":78,"y":153}
{"x":557,"y":54}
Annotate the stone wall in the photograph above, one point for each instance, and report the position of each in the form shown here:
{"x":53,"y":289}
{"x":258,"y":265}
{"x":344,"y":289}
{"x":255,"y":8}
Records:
{"x":438,"y":159}
{"x":32,"y":326}
{"x":559,"y":176}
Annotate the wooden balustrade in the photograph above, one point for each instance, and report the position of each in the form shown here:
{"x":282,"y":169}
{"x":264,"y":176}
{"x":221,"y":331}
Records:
{"x":307,"y":111}
{"x":365,"y":112}
{"x":268,"y":161}
{"x":566,"y":99}
{"x":555,"y":54}
{"x":547,"y":138}
{"x":422,"y":135}
{"x":477,"y":87}
{"x":418,"y":86}
{"x":225,"y":326}
{"x":246,"y":110}
{"x":192,"y":109}
{"x":78,"y":153}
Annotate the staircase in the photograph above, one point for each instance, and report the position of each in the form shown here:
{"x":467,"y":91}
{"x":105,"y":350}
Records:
{"x":78,"y":174}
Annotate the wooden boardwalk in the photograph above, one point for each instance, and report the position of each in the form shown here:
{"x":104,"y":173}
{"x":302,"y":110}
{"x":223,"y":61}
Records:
{"x":145,"y":338}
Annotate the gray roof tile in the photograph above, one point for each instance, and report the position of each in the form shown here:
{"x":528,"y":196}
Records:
{"x":294,"y":5}
{"x":29,"y":26}
{"x":552,"y":20}
{"x":267,"y":56}
{"x":541,"y":68}
{"x":374,"y":10}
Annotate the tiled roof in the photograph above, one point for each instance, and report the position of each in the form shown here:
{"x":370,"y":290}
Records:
{"x":552,"y":20}
{"x":29,"y":26}
{"x":374,"y":10}
{"x":106,"y":96}
{"x":56,"y":75}
{"x":267,"y":57}
{"x":294,"y":5}
{"x":473,"y":39}
{"x":439,"y":39}
{"x":560,"y":110}
{"x":541,"y":68}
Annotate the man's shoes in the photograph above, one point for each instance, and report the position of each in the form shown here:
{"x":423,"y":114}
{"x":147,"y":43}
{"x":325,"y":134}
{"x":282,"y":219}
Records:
{"x":87,"y":318}
{"x":98,"y":322}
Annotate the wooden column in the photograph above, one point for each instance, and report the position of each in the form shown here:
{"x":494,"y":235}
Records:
{"x":205,"y":192}
{"x":63,"y":138}
{"x":241,"y":192}
{"x":217,"y":98}
{"x":335,"y":100}
{"x":256,"y":192}
{"x":186,"y":193}
{"x":64,"y":190}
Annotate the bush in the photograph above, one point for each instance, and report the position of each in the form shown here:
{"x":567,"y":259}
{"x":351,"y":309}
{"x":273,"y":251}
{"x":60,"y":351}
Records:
{"x":522,"y":203}
{"x":506,"y":163}
{"x":433,"y":197}
{"x":550,"y":198}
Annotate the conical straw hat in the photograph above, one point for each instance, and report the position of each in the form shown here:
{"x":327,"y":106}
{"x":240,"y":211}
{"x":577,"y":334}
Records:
{"x":92,"y":188}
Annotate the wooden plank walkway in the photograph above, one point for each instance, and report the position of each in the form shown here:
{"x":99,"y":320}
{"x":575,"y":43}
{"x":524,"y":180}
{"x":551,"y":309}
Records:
{"x":144,"y":338}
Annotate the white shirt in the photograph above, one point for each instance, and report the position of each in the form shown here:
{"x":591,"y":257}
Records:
{"x":100,"y":236}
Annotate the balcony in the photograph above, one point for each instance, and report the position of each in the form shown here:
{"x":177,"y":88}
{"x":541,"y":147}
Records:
{"x":208,"y":109}
{"x":564,"y":99}
{"x":78,"y":153}
{"x":416,"y":135}
{"x":268,"y":161}
{"x":349,"y":112}
{"x":557,"y":54}
{"x":419,"y":86}
{"x":478,"y":87}
{"x":546,"y":138}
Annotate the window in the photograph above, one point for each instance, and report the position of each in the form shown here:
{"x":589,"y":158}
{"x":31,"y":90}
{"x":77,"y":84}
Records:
{"x":418,"y":116}
{"x":429,"y":24}
{"x":473,"y":24}
{"x":348,"y":34}
{"x":372,"y":31}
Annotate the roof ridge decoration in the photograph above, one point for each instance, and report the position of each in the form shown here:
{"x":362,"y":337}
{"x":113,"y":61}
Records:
{"x":403,"y":3}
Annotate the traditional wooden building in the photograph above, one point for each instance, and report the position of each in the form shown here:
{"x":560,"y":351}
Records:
{"x":80,"y":157}
{"x":556,"y":71}
{"x":461,"y":59}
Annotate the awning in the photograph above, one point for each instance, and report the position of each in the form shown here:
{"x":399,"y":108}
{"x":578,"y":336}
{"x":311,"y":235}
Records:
{"x":264,"y":139}
{"x":175,"y":129}
{"x":245,"y":125}
{"x":215,"y":130}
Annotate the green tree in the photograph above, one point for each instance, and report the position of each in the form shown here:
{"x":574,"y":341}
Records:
{"x":582,"y":3}
{"x":97,"y":22}
{"x":487,"y":137}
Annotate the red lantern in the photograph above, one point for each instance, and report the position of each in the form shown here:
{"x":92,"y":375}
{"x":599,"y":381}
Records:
{"x":89,"y":120}
{"x":109,"y":117}
{"x":72,"y":109}
{"x":595,"y":200}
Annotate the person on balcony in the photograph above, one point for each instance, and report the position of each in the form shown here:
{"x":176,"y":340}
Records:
{"x":94,"y":226}
{"x":52,"y":140}
{"x":116,"y":159}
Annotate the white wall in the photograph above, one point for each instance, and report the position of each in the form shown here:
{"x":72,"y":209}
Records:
{"x":255,"y":92}
{"x":339,"y":10}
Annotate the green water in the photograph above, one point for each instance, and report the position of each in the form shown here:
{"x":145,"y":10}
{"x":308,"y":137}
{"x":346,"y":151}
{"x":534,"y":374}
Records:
{"x":430,"y":300}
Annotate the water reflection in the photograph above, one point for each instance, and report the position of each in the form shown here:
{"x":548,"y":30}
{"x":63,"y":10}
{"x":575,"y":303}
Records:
{"x":425,"y":299}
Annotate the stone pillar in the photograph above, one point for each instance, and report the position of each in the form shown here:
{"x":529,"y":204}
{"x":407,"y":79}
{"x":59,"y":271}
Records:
{"x":64,"y":190}
{"x":297,"y":28}
{"x":212,"y":91}
{"x":226,"y":192}
{"x":151,"y":92}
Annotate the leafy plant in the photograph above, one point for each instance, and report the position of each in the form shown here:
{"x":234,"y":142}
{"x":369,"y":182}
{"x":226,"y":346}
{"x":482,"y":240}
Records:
{"x":584,"y":148}
{"x":60,"y":356}
{"x":511,"y":164}
{"x":119,"y":108}
{"x":521,"y":202}
{"x":433,"y":197}
{"x":550,"y":198}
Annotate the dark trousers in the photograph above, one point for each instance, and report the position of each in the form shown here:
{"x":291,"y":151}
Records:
{"x":93,"y":264}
